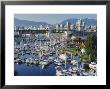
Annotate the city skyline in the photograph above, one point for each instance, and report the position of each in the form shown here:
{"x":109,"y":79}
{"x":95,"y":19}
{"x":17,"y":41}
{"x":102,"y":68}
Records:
{"x":52,"y":18}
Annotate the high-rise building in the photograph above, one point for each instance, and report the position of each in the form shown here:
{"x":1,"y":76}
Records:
{"x":61,"y":26}
{"x":78,"y":24}
{"x":71,"y":26}
{"x":57,"y":26}
{"x":83,"y":23}
{"x":67,"y":25}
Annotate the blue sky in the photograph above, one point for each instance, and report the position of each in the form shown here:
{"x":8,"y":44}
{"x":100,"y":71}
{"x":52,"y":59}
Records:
{"x":52,"y":18}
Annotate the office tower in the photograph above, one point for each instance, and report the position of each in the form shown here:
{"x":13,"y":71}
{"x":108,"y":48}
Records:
{"x":71,"y":26}
{"x":61,"y":26}
{"x":78,"y":24}
{"x":57,"y":27}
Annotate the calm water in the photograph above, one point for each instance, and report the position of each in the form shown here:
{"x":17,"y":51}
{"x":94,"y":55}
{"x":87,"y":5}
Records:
{"x":34,"y":70}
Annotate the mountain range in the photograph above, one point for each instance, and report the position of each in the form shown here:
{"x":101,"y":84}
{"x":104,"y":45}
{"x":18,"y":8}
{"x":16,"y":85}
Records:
{"x":71,"y":20}
{"x":20,"y":22}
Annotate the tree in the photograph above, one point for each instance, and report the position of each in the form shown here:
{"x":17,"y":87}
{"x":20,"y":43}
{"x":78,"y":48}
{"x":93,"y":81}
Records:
{"x":89,"y":47}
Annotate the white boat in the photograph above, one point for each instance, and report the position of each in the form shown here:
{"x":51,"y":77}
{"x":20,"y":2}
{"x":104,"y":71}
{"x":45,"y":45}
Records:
{"x":44,"y":62}
{"x":59,"y":73}
{"x":36,"y":61}
{"x":73,"y":62}
{"x":59,"y":64}
{"x":42,"y":66}
{"x":64,"y":70}
{"x":56,"y":61}
{"x":27,"y":60}
{"x":70,"y":69}
{"x":74,"y":69}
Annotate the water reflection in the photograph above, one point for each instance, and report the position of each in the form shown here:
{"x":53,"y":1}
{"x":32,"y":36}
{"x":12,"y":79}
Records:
{"x":34,"y":70}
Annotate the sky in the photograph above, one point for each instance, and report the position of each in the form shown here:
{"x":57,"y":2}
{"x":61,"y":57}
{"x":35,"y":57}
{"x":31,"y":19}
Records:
{"x":52,"y":18}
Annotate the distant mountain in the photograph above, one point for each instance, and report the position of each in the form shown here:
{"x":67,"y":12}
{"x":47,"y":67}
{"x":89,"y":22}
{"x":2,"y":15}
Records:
{"x":86,"y":20}
{"x":71,"y":20}
{"x":27,"y":23}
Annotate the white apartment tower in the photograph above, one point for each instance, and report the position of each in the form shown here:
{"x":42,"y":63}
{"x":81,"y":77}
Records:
{"x":78,"y":24}
{"x":67,"y":25}
{"x":57,"y":27}
{"x":61,"y":26}
{"x":72,"y":26}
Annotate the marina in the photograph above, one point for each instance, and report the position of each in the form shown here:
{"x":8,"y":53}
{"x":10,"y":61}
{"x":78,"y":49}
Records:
{"x":45,"y":59}
{"x":62,"y":50}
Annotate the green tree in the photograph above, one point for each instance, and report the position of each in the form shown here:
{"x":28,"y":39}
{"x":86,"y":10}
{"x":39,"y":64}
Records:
{"x":89,"y":44}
